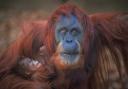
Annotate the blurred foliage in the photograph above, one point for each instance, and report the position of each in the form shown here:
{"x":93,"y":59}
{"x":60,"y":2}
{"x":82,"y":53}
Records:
{"x":64,"y":1}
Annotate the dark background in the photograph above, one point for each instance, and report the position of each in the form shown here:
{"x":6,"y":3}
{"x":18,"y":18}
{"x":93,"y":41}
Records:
{"x":14,"y":12}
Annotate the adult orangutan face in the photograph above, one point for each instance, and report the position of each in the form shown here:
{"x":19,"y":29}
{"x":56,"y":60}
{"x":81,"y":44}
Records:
{"x":69,"y":36}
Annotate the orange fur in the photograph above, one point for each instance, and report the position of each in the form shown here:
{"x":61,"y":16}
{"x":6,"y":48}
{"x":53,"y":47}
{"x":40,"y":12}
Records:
{"x":105,"y":42}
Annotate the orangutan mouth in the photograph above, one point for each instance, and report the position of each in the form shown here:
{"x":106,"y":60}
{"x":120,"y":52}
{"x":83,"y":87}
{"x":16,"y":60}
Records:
{"x":69,"y":57}
{"x":70,"y":53}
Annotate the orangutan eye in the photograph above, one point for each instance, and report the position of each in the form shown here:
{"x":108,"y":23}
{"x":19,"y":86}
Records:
{"x":74,"y":32}
{"x":63,"y":31}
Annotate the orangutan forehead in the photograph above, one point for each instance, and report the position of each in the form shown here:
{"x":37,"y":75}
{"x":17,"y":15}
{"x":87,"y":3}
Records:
{"x":70,"y":21}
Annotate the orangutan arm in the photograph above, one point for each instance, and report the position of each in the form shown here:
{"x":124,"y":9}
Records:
{"x":111,"y":34}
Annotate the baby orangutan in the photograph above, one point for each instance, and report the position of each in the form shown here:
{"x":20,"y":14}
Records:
{"x":36,"y":68}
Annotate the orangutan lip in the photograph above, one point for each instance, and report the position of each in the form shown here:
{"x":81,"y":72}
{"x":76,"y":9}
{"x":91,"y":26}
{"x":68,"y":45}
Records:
{"x":70,"y":53}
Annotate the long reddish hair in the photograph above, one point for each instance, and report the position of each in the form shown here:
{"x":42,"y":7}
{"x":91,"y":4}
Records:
{"x":110,"y":49}
{"x":27,"y":43}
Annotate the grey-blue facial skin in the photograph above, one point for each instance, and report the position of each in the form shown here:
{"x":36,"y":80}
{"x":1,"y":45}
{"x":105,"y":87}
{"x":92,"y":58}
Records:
{"x":69,"y":33}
